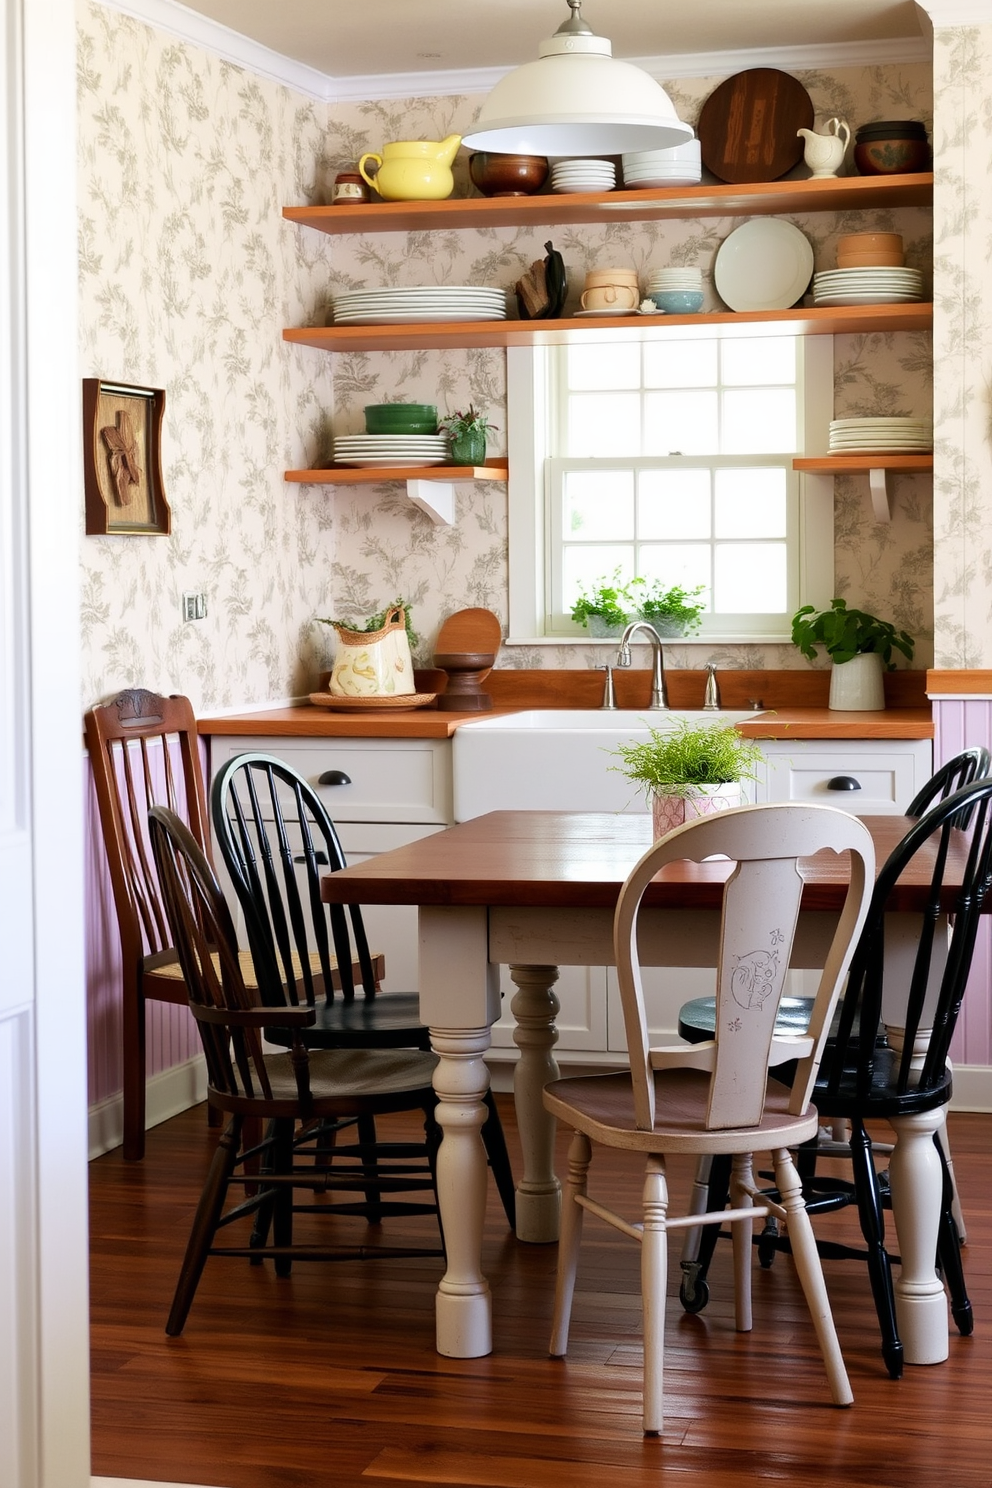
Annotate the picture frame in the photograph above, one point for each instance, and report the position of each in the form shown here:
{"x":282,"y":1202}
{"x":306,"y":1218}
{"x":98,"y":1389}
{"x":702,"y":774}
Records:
{"x":122,"y":453}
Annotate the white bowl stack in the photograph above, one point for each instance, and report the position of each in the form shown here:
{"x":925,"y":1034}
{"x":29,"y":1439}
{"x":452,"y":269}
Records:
{"x":679,"y":166}
{"x":867,"y":286}
{"x":894,"y":435}
{"x":583,"y":175}
{"x":380,"y":451}
{"x":660,"y":280}
{"x":431,"y":302}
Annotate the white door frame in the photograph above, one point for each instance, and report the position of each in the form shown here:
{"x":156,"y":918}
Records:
{"x":44,"y":1363}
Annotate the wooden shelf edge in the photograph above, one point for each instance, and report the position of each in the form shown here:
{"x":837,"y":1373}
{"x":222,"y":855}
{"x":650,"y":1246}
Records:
{"x":350,"y":475}
{"x":844,"y":193}
{"x":839,"y":463}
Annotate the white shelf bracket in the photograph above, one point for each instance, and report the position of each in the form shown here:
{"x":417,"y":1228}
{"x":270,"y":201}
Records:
{"x":436,"y":498}
{"x":878,"y":485}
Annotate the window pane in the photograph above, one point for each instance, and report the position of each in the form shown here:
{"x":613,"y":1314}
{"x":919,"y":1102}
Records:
{"x":759,"y":422}
{"x":585,"y":567}
{"x":750,"y":578}
{"x":598,"y":505}
{"x":604,"y":424}
{"x":680,"y":364}
{"x":680,"y":423}
{"x":615,"y":364}
{"x":673,"y":503}
{"x":750,"y":503}
{"x":687,"y":564}
{"x":761,"y":359}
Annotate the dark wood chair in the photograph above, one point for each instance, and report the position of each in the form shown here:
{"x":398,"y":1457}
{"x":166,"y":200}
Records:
{"x":144,"y":751}
{"x":277,"y":842}
{"x":873,"y":1069}
{"x":295,"y":1097}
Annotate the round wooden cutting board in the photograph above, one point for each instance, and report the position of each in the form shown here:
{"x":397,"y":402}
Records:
{"x":747,"y":127}
{"x":469,"y":632}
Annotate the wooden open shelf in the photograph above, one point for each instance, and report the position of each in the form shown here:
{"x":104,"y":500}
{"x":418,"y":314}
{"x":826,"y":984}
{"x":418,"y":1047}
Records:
{"x":834,"y":321}
{"x":838,"y":464}
{"x":350,"y":475}
{"x":765,"y":198}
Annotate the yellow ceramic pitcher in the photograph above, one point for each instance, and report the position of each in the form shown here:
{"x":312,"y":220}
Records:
{"x":414,"y":170}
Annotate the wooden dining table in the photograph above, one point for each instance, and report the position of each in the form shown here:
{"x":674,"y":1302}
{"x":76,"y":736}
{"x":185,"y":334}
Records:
{"x":534,"y":890}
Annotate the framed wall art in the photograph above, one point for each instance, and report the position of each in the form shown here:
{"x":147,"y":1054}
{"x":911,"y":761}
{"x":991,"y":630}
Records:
{"x":122,"y":453}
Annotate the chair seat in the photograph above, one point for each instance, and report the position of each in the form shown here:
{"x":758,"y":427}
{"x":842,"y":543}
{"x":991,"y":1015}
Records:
{"x":883,"y":1097}
{"x":164,"y":966}
{"x":602,"y":1106}
{"x":343,"y":1082}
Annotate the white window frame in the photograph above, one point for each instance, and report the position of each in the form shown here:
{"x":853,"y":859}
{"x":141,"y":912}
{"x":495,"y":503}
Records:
{"x":531,"y":410}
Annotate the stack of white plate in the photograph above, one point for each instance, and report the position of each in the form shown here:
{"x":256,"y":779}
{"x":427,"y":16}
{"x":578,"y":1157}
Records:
{"x":907,"y":436}
{"x":583,"y":175}
{"x":679,"y":166}
{"x":867,"y":286}
{"x":684,"y":278}
{"x":378,"y":451}
{"x":431,"y":302}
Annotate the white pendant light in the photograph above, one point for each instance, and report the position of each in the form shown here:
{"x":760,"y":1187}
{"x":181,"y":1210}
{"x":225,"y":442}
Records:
{"x":577,"y":99}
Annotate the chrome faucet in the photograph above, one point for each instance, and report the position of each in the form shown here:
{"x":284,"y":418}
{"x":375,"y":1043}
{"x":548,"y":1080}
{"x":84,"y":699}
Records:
{"x":609,"y":695}
{"x":658,"y":699}
{"x":711,"y":702}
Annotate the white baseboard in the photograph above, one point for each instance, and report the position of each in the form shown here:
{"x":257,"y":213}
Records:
{"x":166,"y":1094}
{"x":972,"y":1088}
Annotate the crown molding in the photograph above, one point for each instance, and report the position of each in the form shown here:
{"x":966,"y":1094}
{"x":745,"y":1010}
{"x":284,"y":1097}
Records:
{"x":188,"y":25}
{"x":948,"y":14}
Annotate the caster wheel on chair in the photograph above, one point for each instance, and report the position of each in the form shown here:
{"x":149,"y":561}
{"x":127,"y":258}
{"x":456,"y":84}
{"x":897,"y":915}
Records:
{"x":694,"y":1293}
{"x":766,"y":1244}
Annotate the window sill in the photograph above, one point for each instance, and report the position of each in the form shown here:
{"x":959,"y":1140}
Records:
{"x":785,"y":639}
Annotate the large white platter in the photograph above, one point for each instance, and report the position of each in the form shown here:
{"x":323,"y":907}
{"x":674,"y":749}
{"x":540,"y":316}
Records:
{"x":765,"y":264}
{"x":867,"y":299}
{"x":417,"y":317}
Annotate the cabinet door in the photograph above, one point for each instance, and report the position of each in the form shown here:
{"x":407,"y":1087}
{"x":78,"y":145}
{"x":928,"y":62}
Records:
{"x":886,"y":774}
{"x":391,"y":928}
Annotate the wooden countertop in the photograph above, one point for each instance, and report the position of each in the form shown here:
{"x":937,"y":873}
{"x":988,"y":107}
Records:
{"x":308,"y":721}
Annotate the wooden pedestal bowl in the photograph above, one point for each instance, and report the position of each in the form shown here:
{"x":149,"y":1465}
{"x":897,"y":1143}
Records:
{"x":466,"y":671}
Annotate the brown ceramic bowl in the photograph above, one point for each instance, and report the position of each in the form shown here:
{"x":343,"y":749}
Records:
{"x":507,"y":175}
{"x":892,"y":157}
{"x":871,"y":242}
{"x":866,"y":260}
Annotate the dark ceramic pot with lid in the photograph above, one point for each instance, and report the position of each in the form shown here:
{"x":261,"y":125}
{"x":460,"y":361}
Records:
{"x":892,"y":147}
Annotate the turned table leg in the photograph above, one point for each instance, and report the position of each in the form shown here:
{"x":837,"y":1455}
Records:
{"x":916,"y":1183}
{"x":535,"y":1006}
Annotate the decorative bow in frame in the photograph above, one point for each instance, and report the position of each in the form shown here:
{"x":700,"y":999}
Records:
{"x":122,"y":429}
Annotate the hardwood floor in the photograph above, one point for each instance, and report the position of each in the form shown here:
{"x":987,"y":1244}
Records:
{"x":329,"y":1379}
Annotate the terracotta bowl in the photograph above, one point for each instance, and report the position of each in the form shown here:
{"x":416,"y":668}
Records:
{"x":507,"y":175}
{"x":870,"y":242}
{"x":892,"y":157}
{"x":870,"y":261}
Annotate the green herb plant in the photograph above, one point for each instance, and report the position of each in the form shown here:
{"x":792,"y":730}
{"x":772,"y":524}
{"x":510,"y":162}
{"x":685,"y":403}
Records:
{"x":377,"y":621}
{"x":845,"y":633}
{"x":675,"y":761}
{"x":682,"y":607}
{"x":609,"y":598}
{"x":456,"y":425}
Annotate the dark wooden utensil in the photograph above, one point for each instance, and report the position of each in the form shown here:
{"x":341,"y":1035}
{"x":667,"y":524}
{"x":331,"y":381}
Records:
{"x":747,"y":127}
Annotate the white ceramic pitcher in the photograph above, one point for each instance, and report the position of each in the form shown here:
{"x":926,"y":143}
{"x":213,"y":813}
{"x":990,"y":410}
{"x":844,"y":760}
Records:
{"x":824,"y":153}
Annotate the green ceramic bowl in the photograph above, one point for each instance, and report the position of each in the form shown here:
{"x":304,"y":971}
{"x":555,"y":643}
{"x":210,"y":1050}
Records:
{"x":400,"y":418}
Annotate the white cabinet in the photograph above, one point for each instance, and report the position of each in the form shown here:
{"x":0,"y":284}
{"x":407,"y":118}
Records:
{"x":871,"y":777}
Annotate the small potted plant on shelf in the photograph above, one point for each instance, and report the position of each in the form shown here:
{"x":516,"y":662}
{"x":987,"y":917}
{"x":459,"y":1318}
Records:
{"x":605,"y":608}
{"x":689,"y":770}
{"x":859,"y":646}
{"x":672,"y":611}
{"x":467,"y":433}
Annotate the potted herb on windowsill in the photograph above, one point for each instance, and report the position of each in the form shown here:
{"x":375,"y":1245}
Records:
{"x":859,"y":646}
{"x":605,"y":609}
{"x":689,"y":770}
{"x":467,"y":433}
{"x":672,"y":611}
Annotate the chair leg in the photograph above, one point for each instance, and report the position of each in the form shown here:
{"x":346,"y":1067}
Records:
{"x":654,"y":1285}
{"x":133,"y":1094}
{"x":694,"y":1292}
{"x":742,"y":1231}
{"x":949,"y":1252}
{"x":872,"y":1219}
{"x":208,"y":1212}
{"x":373,"y":1194}
{"x":282,"y":1208}
{"x":572,"y":1214}
{"x":807,"y":1259}
{"x":948,"y":1163}
{"x":494,"y":1141}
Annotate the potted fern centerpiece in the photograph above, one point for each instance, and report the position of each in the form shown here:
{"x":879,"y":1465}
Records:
{"x":859,"y":646}
{"x":689,"y":770}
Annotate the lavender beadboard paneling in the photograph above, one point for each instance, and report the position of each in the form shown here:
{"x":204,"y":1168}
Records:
{"x":960,"y":723}
{"x":171,"y":1037}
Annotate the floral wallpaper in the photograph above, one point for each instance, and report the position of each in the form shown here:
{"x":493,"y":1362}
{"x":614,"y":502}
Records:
{"x":188,"y":274}
{"x":963,"y":348}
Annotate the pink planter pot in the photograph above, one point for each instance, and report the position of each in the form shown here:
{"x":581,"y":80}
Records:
{"x":668,"y":812}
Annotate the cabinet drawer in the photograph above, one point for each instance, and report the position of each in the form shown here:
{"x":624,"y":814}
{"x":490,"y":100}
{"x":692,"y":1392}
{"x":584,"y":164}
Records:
{"x":887,"y":773}
{"x":390,"y":780}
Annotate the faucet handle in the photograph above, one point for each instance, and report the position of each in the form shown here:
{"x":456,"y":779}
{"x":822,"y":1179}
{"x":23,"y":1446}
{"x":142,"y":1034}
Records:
{"x":609,"y":696}
{"x":711,"y":700}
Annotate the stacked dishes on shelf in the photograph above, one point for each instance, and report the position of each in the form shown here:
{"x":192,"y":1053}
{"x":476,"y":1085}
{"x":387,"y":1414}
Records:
{"x":678,"y":166}
{"x":893,"y":435}
{"x":380,"y":451}
{"x":583,"y":175}
{"x":869,"y":286}
{"x":431,"y":302}
{"x":678,"y":291}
